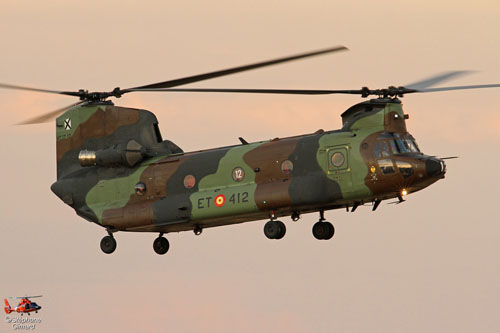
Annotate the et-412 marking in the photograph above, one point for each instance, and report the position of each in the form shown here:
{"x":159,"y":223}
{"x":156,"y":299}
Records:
{"x":220,"y":200}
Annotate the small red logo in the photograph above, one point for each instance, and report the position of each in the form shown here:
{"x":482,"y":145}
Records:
{"x":220,"y":200}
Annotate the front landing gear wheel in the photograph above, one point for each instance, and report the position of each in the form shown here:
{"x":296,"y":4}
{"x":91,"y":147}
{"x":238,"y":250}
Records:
{"x":161,"y":245}
{"x":274,"y":230}
{"x":108,"y":244}
{"x":323,"y":230}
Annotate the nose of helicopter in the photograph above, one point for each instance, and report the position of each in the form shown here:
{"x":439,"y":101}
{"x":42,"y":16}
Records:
{"x":435,"y":167}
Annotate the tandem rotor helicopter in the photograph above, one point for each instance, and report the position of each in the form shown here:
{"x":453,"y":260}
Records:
{"x":115,"y":169}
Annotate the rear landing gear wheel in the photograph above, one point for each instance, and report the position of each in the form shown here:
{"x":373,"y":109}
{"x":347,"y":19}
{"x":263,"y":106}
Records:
{"x":274,"y":230}
{"x":161,"y":245}
{"x":323,"y":230}
{"x":108,"y":244}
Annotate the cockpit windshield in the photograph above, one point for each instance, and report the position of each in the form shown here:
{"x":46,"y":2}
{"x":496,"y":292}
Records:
{"x":406,"y":143}
{"x":399,"y":143}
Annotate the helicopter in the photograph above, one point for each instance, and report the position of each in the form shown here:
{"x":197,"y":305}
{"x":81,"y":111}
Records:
{"x":24,"y":306}
{"x":115,"y":169}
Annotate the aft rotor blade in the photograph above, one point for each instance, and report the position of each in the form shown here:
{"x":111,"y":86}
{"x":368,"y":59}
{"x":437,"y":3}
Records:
{"x":435,"y":79}
{"x":16,"y":87}
{"x":258,"y":91}
{"x":211,"y":75}
{"x":364,"y":92}
{"x":46,"y":117}
{"x":477,"y":86}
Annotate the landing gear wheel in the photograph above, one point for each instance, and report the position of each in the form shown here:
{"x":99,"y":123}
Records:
{"x":274,"y":229}
{"x":282,"y":230}
{"x":323,"y":230}
{"x":331,"y":231}
{"x":108,"y":244}
{"x":161,"y":245}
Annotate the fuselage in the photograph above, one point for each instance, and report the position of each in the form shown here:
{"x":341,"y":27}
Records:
{"x":372,"y":158}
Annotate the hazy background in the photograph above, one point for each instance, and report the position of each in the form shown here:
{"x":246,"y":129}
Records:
{"x":431,"y":264}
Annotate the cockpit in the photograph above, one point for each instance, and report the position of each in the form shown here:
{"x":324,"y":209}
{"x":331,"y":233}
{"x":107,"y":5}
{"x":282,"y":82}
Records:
{"x":388,"y":146}
{"x":399,"y":143}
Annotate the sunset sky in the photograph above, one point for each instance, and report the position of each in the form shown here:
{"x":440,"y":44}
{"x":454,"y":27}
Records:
{"x":428,"y":265}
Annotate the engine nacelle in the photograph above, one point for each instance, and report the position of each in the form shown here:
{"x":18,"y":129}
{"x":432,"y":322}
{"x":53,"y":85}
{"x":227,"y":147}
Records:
{"x":126,"y":155}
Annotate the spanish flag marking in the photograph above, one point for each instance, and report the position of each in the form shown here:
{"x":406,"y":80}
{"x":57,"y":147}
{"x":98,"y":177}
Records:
{"x":220,"y":200}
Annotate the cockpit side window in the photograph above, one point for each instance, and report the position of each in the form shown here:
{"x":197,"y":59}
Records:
{"x":385,"y":150}
{"x":381,"y":148}
{"x":394,"y":147}
{"x":405,"y":168}
{"x":386,"y":166}
{"x":377,"y":151}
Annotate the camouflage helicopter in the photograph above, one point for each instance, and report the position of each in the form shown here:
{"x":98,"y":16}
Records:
{"x":115,"y":169}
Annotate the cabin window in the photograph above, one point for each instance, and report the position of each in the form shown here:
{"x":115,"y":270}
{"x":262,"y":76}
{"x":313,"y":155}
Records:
{"x":386,"y":166}
{"x":338,"y":159}
{"x":238,"y":174}
{"x":189,"y":181}
{"x":287,"y":167}
{"x":140,"y":188}
{"x":405,"y":168}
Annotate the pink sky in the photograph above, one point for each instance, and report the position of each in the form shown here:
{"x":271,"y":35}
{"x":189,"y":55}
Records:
{"x":430,"y":264}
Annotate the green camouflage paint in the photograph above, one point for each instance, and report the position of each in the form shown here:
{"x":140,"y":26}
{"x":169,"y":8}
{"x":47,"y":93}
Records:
{"x":238,"y":196}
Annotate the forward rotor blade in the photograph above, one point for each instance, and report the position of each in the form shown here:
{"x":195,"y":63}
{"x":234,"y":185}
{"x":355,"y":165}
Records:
{"x":258,"y":91}
{"x":477,"y":86}
{"x":15,"y":87}
{"x":44,"y":118}
{"x":211,"y":75}
{"x":433,"y":80}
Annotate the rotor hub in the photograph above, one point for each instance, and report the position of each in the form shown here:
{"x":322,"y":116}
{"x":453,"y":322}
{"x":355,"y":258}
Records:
{"x":85,"y":95}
